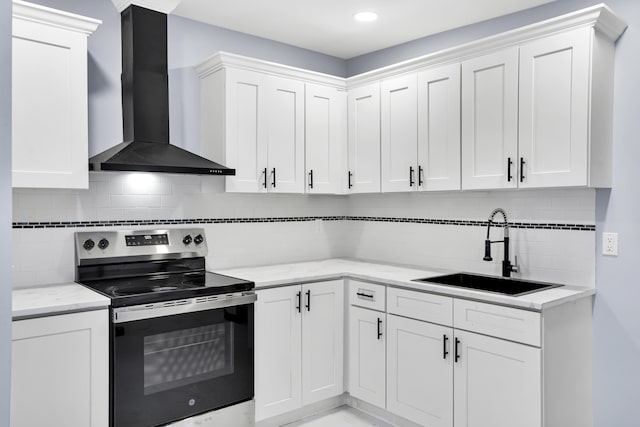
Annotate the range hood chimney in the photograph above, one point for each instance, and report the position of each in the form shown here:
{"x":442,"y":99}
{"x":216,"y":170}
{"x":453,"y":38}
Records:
{"x":145,"y":104}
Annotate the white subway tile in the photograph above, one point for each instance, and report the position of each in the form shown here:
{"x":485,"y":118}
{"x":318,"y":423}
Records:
{"x":135,"y":201}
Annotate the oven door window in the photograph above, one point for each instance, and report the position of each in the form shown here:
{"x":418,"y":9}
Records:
{"x":188,"y":356}
{"x":173,"y":367}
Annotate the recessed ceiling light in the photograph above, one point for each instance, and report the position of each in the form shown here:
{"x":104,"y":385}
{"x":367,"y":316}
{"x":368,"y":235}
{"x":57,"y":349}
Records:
{"x":365,"y":16}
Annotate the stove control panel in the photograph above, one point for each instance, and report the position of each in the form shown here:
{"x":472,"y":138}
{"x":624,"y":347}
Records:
{"x":103,"y":246}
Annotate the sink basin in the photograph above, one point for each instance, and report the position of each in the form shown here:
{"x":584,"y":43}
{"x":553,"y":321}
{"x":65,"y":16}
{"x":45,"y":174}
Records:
{"x":500,"y":285}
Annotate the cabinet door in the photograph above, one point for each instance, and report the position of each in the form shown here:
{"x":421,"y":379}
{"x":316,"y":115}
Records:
{"x":325,"y":138}
{"x":367,"y":338}
{"x":439,"y":128}
{"x":322,"y":341}
{"x":420,"y":371}
{"x":399,"y":133}
{"x":60,"y":371}
{"x":246,"y":142}
{"x":497,"y":383}
{"x":49,"y":107}
{"x":490,"y":120}
{"x":554,"y":110}
{"x":364,"y":139}
{"x":285,"y":136}
{"x":278,"y":373}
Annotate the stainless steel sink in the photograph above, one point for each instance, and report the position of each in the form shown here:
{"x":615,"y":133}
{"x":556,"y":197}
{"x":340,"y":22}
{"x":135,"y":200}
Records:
{"x":506,"y":286}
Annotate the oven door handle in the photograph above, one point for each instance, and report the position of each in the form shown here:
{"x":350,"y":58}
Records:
{"x":183,"y":306}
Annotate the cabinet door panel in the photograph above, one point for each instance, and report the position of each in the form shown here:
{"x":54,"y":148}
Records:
{"x":399,"y":133}
{"x":490,"y":120}
{"x":439,"y":128}
{"x":60,"y":371}
{"x":278,"y":373}
{"x":419,"y":375}
{"x":364,"y":139}
{"x":496,"y":383}
{"x":325,"y":141}
{"x":367,"y":355}
{"x":322,"y":341}
{"x":245,"y":130}
{"x":49,"y":107}
{"x":554,"y":114}
{"x":285,"y":138}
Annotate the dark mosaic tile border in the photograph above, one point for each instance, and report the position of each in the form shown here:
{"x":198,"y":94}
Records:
{"x":139,"y":223}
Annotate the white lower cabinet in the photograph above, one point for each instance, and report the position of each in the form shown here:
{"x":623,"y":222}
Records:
{"x":299,"y":346}
{"x":419,"y":371}
{"x":497,"y":383}
{"x":433,"y":360}
{"x":60,"y":371}
{"x":367,"y":347}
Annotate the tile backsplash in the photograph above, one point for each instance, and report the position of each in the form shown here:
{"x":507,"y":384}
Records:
{"x":554,"y":236}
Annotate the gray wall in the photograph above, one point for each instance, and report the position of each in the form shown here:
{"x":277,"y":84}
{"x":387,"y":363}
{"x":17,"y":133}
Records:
{"x":616,"y":331}
{"x":5,"y":212}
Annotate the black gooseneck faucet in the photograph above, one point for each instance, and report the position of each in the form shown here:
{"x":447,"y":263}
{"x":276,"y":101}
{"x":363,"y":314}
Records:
{"x":507,"y":267}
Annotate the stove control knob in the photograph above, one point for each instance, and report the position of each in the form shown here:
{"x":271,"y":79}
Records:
{"x":88,"y":244}
{"x":103,"y":244}
{"x":198,"y":239}
{"x":187,"y":239}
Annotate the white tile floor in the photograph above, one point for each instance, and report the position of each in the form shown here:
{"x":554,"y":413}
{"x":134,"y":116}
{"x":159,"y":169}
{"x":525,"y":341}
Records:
{"x":342,"y":416}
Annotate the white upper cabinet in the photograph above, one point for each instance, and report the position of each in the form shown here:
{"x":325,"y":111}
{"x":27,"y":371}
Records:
{"x":325,"y":138}
{"x":239,"y":96}
{"x":399,"y":133}
{"x":490,"y":120}
{"x":258,"y":119}
{"x":285,"y":135}
{"x":439,"y":128}
{"x":49,"y":97}
{"x":363,"y":175}
{"x":256,"y":116}
{"x":554,"y":110}
{"x":529,"y":108}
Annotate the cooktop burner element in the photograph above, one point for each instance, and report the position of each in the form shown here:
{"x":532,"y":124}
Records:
{"x":139,"y":267}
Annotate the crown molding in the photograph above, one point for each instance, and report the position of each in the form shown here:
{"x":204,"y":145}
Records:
{"x":164,"y":6}
{"x":224,"y":59}
{"x":599,"y":17}
{"x":45,"y":15}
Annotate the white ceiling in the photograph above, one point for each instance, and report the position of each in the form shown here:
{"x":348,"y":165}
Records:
{"x":327,"y":26}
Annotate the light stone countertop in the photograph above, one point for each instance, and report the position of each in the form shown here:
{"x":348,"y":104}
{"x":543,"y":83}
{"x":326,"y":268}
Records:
{"x":72,"y":297}
{"x":55,"y":299}
{"x":400,"y":276}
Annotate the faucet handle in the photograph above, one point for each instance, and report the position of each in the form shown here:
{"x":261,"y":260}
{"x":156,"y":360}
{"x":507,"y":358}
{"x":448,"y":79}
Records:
{"x":515,"y":267}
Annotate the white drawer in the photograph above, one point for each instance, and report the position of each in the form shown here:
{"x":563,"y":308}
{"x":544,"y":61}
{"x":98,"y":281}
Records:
{"x":420,"y":305}
{"x":502,"y":322}
{"x":367,"y":295}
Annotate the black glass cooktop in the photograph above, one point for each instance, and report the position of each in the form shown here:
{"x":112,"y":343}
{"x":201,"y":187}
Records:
{"x":166,"y":287}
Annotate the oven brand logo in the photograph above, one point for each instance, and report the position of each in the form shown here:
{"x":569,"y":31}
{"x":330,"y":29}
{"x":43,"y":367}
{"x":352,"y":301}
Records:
{"x":192,"y":402}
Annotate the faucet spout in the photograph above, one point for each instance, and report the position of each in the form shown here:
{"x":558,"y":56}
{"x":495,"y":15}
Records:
{"x":507,"y":267}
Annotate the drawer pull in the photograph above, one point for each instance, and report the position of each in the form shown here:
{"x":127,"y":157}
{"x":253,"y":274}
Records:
{"x":362,"y":295}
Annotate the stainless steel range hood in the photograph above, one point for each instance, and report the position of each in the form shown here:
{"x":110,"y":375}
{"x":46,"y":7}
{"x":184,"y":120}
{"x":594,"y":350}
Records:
{"x":145,"y":105}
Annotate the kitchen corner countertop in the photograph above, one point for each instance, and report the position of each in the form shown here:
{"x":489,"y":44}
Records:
{"x":399,"y":276}
{"x":55,"y":299}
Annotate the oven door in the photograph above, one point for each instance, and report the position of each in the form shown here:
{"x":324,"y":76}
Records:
{"x":173,"y":366}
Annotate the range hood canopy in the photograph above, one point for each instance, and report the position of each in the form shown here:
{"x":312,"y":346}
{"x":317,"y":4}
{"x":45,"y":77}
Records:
{"x":145,"y":104}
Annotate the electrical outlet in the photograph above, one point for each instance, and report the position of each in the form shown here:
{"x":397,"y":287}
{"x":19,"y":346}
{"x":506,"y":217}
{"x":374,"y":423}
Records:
{"x":610,"y":244}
